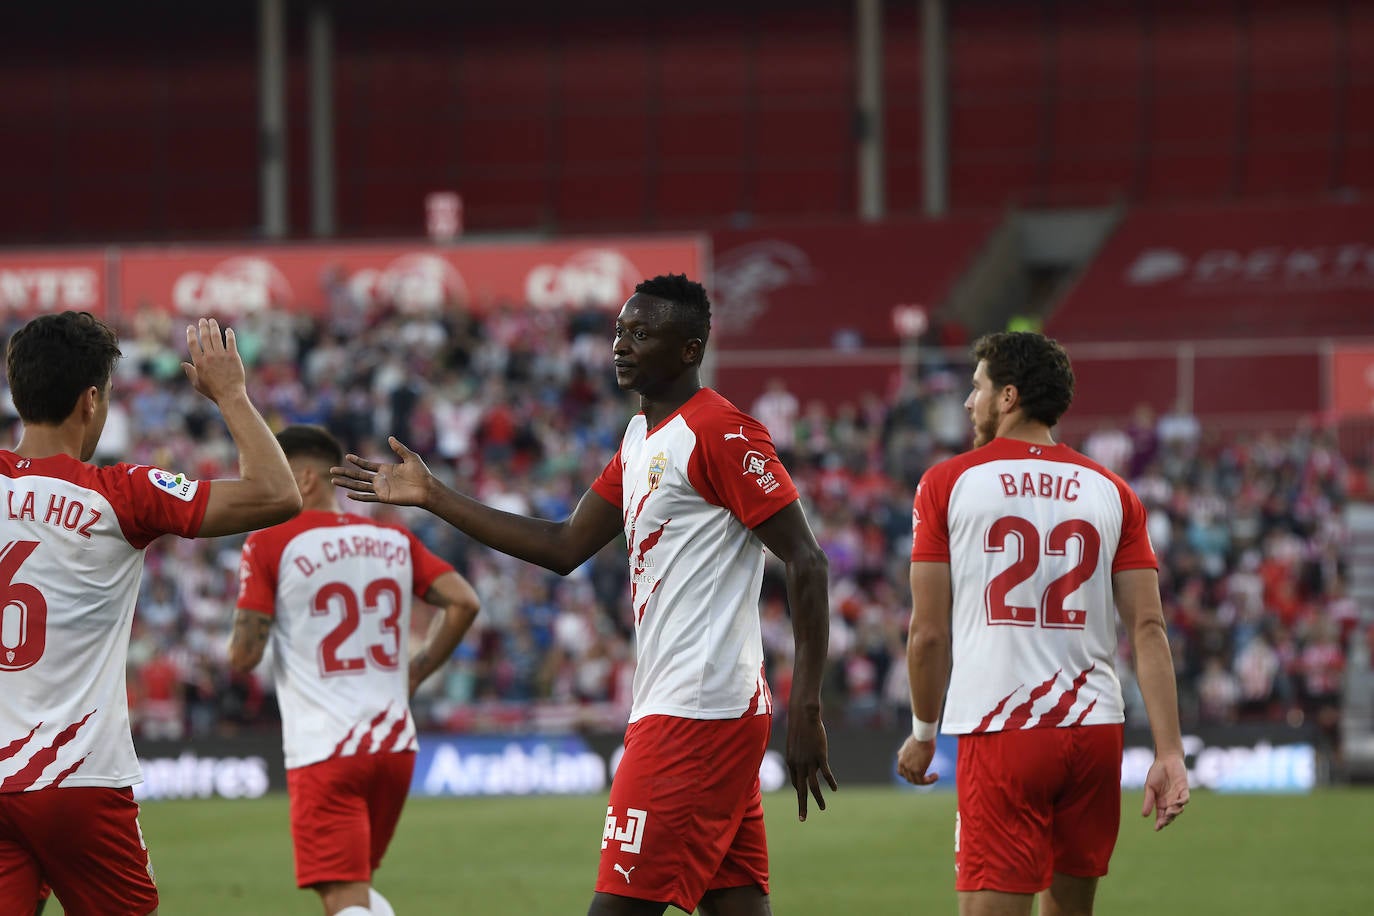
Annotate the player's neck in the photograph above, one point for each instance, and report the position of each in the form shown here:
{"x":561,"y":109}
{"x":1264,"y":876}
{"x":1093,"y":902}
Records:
{"x":323,"y":503}
{"x":1023,"y":430}
{"x":47,"y":440}
{"x":660,"y":405}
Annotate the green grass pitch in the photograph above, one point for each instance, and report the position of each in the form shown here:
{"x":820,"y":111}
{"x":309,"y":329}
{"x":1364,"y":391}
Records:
{"x":875,"y":852}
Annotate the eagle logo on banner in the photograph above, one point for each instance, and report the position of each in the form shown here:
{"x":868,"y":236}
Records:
{"x":657,"y":465}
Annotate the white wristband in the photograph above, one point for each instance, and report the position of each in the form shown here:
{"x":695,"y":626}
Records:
{"x":923,"y":731}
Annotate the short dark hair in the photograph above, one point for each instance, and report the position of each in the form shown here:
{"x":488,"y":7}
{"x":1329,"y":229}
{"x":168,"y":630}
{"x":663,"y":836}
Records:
{"x":1037,"y":365}
{"x":691,"y":307}
{"x":54,"y":358}
{"x":313,"y":442}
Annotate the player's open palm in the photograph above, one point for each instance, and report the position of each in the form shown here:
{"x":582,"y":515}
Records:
{"x":215,"y":369}
{"x":403,"y":484}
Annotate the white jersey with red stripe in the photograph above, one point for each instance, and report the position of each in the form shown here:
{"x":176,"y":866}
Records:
{"x":72,"y":537}
{"x":691,"y":490}
{"x":339,"y":586}
{"x":1033,"y":534}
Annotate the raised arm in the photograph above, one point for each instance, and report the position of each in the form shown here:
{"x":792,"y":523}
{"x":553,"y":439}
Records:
{"x":248,"y":640}
{"x":928,"y":661}
{"x":1137,"y":601}
{"x":789,"y":537}
{"x":265,"y":491}
{"x":458,"y":605}
{"x":557,"y":546}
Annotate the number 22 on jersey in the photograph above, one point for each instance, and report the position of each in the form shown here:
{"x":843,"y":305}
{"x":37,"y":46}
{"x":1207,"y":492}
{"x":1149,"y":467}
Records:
{"x":381,"y":596}
{"x":1011,"y":532}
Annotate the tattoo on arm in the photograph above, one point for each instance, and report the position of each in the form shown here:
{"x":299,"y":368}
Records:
{"x":250,"y":636}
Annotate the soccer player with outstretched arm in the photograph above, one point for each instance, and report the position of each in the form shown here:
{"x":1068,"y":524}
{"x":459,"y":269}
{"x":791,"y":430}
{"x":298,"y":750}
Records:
{"x":698,"y":491}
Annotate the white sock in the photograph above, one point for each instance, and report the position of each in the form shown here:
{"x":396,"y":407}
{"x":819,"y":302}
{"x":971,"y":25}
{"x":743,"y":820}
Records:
{"x":378,"y":903}
{"x":354,"y":911}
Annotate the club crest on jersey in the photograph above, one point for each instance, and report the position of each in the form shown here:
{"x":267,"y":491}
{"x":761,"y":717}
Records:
{"x":178,"y":485}
{"x":657,"y":465}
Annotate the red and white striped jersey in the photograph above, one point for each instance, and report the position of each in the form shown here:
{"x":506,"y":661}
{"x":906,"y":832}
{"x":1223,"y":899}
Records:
{"x":1033,"y":534}
{"x":691,"y":489}
{"x":340,"y":587}
{"x":71,"y":559}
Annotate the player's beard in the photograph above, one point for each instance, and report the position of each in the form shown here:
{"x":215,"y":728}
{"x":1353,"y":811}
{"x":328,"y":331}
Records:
{"x":985,"y":430}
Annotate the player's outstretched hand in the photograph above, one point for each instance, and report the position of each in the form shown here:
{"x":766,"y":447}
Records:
{"x":808,"y":759}
{"x":403,"y":484}
{"x":215,"y":369}
{"x":1166,"y":790}
{"x":913,"y":759}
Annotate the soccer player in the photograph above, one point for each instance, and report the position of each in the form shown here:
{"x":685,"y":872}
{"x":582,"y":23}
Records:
{"x":333,"y":591}
{"x":698,"y":491}
{"x":72,"y":537}
{"x":1021,"y":548}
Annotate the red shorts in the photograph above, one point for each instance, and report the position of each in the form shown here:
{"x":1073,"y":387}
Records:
{"x":344,"y":812}
{"x":84,"y":841}
{"x":1035,"y":802}
{"x":686,"y":813}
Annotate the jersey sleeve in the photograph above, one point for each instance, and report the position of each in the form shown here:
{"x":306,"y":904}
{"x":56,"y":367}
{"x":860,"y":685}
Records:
{"x":610,"y":486}
{"x":425,"y":566}
{"x":258,"y":575}
{"x":930,"y":518}
{"x":736,"y":466}
{"x":152,"y":502}
{"x":1134,"y":551}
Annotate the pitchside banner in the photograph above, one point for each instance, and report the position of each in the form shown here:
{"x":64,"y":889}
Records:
{"x":417,"y":278}
{"x":31,"y":284}
{"x":1239,"y":759}
{"x":1262,"y":759}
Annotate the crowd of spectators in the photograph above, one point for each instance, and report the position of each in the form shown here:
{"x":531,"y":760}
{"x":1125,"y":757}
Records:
{"x":520,"y":409}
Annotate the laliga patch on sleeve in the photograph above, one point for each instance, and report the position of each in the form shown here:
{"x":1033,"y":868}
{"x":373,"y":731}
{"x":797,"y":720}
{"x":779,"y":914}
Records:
{"x":178,"y":485}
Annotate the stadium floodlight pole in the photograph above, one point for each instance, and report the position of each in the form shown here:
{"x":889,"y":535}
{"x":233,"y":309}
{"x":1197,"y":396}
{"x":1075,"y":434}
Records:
{"x":272,"y":116}
{"x":868,"y":45}
{"x":321,"y":43}
{"x":934,"y":108}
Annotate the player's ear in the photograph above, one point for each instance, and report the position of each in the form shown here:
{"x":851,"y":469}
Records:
{"x":692,"y":350}
{"x":306,"y":478}
{"x":88,"y":402}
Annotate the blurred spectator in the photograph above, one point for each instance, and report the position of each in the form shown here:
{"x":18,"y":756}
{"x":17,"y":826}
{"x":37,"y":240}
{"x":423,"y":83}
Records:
{"x":777,"y":409}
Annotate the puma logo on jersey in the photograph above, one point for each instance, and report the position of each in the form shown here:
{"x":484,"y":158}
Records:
{"x":624,"y":871}
{"x":738,"y":435}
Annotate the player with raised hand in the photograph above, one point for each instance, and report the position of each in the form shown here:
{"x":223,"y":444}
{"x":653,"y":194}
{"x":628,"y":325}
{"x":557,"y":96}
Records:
{"x":698,"y":491}
{"x":1021,"y":549}
{"x":332,"y":591}
{"x":72,"y":537}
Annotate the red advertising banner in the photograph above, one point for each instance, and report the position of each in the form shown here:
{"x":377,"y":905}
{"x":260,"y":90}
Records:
{"x":835,"y":285}
{"x":31,"y":284}
{"x":1255,"y":271}
{"x":1352,"y":381}
{"x":841,"y":291}
{"x":417,"y":278}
